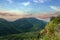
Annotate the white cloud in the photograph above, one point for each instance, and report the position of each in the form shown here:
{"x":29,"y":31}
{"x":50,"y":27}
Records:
{"x":55,"y":8}
{"x":10,"y":1}
{"x":26,"y":3}
{"x":35,"y":1}
{"x":40,"y":1}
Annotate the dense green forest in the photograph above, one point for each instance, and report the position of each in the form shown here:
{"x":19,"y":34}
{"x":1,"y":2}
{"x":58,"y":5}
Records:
{"x":20,"y":26}
{"x":51,"y":31}
{"x":21,"y":29}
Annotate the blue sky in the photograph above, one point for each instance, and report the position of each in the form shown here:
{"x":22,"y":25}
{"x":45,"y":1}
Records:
{"x":29,"y":6}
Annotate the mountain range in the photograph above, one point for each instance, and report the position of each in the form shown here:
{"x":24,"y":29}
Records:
{"x":20,"y":26}
{"x":50,"y":32}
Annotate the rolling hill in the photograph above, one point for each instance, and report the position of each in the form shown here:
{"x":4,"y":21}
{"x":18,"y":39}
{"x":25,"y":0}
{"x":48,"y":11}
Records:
{"x":20,"y":26}
{"x":50,"y":32}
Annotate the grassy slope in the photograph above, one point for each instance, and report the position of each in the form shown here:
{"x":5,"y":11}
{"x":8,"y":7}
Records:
{"x":51,"y":29}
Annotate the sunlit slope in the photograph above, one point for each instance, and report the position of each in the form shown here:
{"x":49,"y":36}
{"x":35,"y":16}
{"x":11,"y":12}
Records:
{"x":52,"y":30}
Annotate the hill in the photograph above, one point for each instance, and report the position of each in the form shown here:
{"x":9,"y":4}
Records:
{"x":20,"y":26}
{"x":52,"y":30}
{"x":21,"y":36}
{"x":29,"y":24}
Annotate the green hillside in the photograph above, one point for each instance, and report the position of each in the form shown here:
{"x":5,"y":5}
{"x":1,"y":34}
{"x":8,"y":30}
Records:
{"x":22,"y":36}
{"x":20,"y":26}
{"x":29,"y":24}
{"x":52,"y":30}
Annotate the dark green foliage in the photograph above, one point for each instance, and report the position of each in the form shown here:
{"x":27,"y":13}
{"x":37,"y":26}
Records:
{"x":52,"y":18}
{"x":20,"y":26}
{"x":29,"y":24}
{"x":22,"y":36}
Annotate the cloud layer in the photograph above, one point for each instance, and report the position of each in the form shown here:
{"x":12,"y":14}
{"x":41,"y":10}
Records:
{"x":55,"y":8}
{"x":40,"y":1}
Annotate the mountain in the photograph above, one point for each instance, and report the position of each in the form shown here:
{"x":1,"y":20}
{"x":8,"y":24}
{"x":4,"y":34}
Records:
{"x":50,"y":32}
{"x":6,"y":27}
{"x":29,"y":24}
{"x":21,"y":26}
{"x":3,"y":26}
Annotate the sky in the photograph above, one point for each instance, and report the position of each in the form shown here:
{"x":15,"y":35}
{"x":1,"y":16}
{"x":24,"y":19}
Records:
{"x":29,"y":6}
